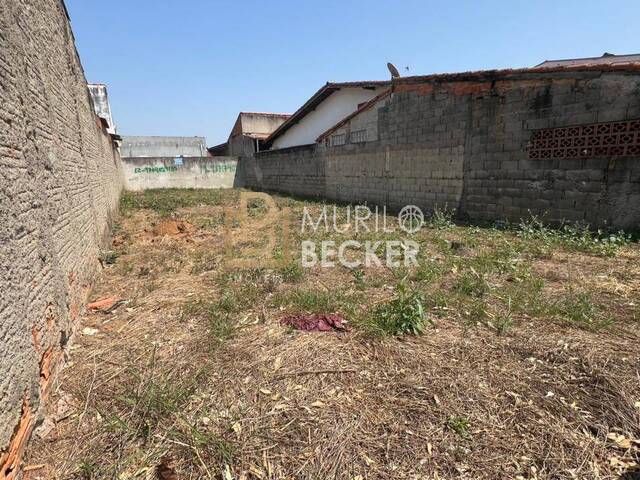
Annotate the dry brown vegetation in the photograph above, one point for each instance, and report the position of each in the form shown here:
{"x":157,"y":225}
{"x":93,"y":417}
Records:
{"x":528,"y":365}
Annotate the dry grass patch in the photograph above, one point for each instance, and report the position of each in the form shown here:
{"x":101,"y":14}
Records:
{"x":503,"y":355}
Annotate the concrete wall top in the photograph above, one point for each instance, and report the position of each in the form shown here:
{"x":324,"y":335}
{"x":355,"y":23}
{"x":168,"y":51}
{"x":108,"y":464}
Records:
{"x":141,"y":146}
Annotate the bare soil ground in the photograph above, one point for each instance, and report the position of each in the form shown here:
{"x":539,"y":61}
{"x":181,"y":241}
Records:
{"x":527,"y":368}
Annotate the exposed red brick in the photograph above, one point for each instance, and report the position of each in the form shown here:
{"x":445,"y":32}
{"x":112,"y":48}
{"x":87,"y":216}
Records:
{"x":11,"y":458}
{"x":469,"y":88}
{"x":504,"y":85}
{"x":51,"y":321}
{"x":36,"y":339}
{"x":74,"y":311}
{"x":421,"y":88}
{"x":48,"y":362}
{"x":457,"y":88}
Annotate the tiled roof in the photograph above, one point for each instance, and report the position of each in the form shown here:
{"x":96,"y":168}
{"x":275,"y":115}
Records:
{"x":606,"y":59}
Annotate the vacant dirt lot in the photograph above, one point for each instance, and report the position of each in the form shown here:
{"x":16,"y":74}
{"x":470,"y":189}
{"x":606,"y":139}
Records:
{"x":507,"y":353}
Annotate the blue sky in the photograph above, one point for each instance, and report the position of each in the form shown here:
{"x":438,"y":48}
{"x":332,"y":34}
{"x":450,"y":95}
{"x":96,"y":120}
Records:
{"x":187,"y":67}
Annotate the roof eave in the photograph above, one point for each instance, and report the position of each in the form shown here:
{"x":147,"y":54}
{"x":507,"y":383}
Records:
{"x":326,"y":90}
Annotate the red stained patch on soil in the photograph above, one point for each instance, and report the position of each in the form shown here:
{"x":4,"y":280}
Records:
{"x":315,"y":323}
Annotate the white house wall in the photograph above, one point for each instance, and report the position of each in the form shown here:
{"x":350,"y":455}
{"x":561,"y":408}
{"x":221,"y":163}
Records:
{"x":333,"y":109}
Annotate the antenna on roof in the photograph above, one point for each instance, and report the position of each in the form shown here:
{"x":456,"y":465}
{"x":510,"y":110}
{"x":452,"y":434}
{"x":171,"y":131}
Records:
{"x":394,"y":71}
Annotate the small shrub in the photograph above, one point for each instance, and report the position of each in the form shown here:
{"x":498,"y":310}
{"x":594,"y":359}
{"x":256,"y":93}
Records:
{"x":471,"y":283}
{"x":359,"y":278}
{"x":460,"y":425}
{"x":108,"y":257}
{"x":257,"y":207}
{"x":308,"y":301}
{"x":218,"y":314}
{"x":292,"y":272}
{"x":473,"y":311}
{"x":500,"y":259}
{"x":442,"y":218}
{"x":579,"y":309}
{"x":204,"y":261}
{"x":427,"y":272}
{"x":403,"y":315}
{"x":87,"y":469}
{"x":503,"y":321}
{"x":574,"y":237}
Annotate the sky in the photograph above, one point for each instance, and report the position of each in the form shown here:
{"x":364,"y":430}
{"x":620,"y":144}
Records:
{"x":188,"y":67}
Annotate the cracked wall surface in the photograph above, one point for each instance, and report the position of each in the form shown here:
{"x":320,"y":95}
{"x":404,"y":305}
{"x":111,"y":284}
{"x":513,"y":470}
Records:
{"x":60,"y":179}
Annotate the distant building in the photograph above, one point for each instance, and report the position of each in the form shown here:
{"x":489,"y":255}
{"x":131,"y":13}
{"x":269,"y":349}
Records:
{"x":605,"y":59}
{"x":250,"y":131}
{"x":100,"y":99}
{"x":329,"y":105}
{"x":221,"y":150}
{"x":163,"y":147}
{"x":360,"y":126}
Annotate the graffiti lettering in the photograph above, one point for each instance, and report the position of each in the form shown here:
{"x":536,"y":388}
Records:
{"x":219,"y":169}
{"x":155,"y":170}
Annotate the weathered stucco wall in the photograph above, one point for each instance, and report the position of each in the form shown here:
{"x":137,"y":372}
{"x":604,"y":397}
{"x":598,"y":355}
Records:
{"x":165,"y":172}
{"x":136,"y":146}
{"x":60,"y":179}
{"x":467,"y":143}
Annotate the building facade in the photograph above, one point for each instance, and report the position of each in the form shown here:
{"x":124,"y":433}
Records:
{"x":251,"y":130}
{"x":332,"y":103}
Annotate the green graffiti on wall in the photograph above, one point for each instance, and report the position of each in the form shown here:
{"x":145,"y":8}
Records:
{"x":224,"y":168}
{"x":155,"y":170}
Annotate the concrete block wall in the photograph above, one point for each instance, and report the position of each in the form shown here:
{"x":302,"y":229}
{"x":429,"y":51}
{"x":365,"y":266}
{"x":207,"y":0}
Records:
{"x":463,"y":142}
{"x":394,"y":175}
{"x":60,"y":180}
{"x":146,"y":173}
{"x":501,"y":181}
{"x":296,"y":170}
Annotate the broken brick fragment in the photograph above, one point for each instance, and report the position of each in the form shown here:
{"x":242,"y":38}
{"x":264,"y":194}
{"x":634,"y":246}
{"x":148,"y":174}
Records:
{"x":104,"y":304}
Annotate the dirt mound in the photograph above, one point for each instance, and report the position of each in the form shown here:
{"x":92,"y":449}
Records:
{"x":172,"y":228}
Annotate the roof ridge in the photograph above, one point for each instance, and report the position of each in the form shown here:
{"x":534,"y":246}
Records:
{"x":275,"y":114}
{"x":458,"y":76}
